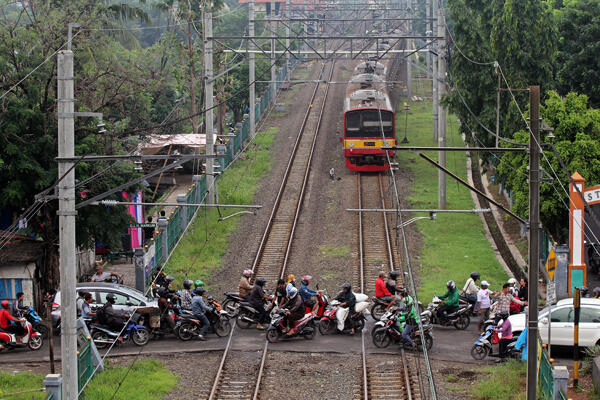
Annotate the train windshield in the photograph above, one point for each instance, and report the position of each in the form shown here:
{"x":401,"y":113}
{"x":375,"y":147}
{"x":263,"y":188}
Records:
{"x":369,"y":123}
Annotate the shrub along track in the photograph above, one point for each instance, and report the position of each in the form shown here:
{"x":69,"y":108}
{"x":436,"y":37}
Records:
{"x":274,"y":249}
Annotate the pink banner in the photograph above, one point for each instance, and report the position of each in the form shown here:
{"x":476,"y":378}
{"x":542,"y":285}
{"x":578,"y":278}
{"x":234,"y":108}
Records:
{"x":137,"y":213}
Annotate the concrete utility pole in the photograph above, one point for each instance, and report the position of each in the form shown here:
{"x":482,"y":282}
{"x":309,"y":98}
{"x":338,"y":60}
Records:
{"x":273,"y":66}
{"x":66,"y":221}
{"x":288,"y":13}
{"x":251,"y":72}
{"x":441,"y":111}
{"x":435,"y":81}
{"x":498,"y":107}
{"x":208,"y":101}
{"x":428,"y":29}
{"x":534,"y":240}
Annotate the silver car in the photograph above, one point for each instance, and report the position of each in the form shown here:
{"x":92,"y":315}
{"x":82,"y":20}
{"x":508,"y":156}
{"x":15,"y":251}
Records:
{"x":127,"y":299}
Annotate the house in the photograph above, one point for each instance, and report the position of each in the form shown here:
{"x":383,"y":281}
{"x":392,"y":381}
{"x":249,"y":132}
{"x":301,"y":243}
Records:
{"x":19,"y":262}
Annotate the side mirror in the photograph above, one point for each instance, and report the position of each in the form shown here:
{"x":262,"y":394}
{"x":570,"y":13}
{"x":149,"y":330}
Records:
{"x":142,"y":303}
{"x":544,"y":321}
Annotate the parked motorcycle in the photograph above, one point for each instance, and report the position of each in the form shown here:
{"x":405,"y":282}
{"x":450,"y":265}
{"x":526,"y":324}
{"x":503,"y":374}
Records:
{"x":36,"y":321}
{"x":104,"y":336}
{"x":189,"y":326}
{"x":32,"y":339}
{"x":232,"y":303}
{"x":334,"y":315}
{"x":389,"y":332}
{"x":482,"y":347}
{"x":304,"y":327}
{"x":460,"y":318}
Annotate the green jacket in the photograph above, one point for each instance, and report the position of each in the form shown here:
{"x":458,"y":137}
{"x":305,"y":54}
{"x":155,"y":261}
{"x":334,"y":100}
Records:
{"x":451,"y":297}
{"x":411,"y":309}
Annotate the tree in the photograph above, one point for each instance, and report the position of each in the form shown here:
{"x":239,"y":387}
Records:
{"x":579,"y":49}
{"x":576,"y":130}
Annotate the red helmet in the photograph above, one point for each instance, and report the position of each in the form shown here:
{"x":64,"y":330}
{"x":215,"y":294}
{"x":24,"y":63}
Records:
{"x":5,"y":304}
{"x":306,"y":279}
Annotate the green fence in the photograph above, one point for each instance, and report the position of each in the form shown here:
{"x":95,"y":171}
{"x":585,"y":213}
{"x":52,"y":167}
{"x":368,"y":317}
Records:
{"x":85,"y":366}
{"x":546,"y":376}
{"x":157,"y":255}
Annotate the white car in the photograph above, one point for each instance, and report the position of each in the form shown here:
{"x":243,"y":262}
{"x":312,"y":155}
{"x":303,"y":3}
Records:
{"x":562,"y":324}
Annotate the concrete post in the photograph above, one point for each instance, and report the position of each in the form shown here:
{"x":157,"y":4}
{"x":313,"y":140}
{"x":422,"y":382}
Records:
{"x":251,"y":72}
{"x":561,"y":275}
{"x":441,"y":110}
{"x":273,"y":65}
{"x":164,"y":244}
{"x":196,"y":180}
{"x":561,"y":378}
{"x":287,"y":39}
{"x":140,"y":276}
{"x":66,"y":220}
{"x":208,"y":100}
{"x":181,"y":199}
{"x":53,"y":384}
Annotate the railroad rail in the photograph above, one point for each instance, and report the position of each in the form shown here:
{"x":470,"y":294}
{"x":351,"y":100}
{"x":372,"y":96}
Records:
{"x":376,"y":250}
{"x":232,"y":382}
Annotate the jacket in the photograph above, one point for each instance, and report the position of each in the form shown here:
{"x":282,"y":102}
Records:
{"x":186,"y":299}
{"x":296,"y":307}
{"x":470,"y":287}
{"x":348,"y":298}
{"x":522,"y":343}
{"x":307,"y":292}
{"x":380,"y":288}
{"x":257,"y":297}
{"x":451,"y":297}
{"x":198,"y":306}
{"x":245,"y":287}
{"x":411,"y":314}
{"x":505,"y":329}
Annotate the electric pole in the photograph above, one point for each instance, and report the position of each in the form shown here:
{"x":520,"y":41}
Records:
{"x":287,"y":39}
{"x":435,"y":83}
{"x":252,"y":88}
{"x":273,"y":66}
{"x":66,"y":221}
{"x":441,"y":111}
{"x":534,"y":237}
{"x":208,"y":101}
{"x":497,"y":104}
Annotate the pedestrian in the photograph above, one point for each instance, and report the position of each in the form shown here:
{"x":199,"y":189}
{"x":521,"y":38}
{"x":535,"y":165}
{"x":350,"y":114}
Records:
{"x":483,"y":303}
{"x":148,"y":231}
{"x":522,"y":344}
{"x":163,"y":216}
{"x":332,"y":174}
{"x":504,"y":328}
{"x":524,"y":290}
{"x":504,"y":300}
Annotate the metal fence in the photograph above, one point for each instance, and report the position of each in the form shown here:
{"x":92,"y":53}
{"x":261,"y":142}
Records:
{"x":546,"y":376}
{"x":174,"y":229}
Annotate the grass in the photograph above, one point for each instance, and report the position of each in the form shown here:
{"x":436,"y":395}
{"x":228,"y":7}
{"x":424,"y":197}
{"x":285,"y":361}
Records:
{"x":505,"y":381}
{"x":455,"y":244}
{"x":147,"y":380}
{"x":199,"y":253}
{"x":23,"y":381}
{"x":333,"y":251}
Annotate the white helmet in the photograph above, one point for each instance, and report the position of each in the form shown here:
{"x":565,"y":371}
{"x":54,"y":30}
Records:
{"x":512,"y":281}
{"x":291,"y":292}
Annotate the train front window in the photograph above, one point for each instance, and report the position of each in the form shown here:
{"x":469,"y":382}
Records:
{"x":369,"y":123}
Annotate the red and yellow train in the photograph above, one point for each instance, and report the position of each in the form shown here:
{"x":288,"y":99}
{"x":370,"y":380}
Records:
{"x":369,"y":121}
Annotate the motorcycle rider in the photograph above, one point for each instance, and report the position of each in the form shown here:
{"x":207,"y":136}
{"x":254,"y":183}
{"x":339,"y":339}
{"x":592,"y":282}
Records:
{"x":307,"y":293}
{"x":199,"y":309}
{"x":392,"y":282}
{"x":513,"y":287}
{"x":114,"y":320}
{"x":245,"y":288}
{"x":347,"y":300}
{"x":596,"y":292}
{"x":280,"y":293}
{"x":186,"y":295}
{"x":198,"y":284}
{"x":18,"y":307}
{"x":382,"y":292}
{"x":470,"y":289}
{"x":164,"y":306}
{"x":295,"y":309}
{"x":6,"y":317}
{"x":85,"y":307}
{"x":257,"y":299}
{"x":291,"y":281}
{"x":504,"y":327}
{"x":410,"y":315}
{"x":450,"y":304}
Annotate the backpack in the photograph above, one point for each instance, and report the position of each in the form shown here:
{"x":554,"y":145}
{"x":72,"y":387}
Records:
{"x":101,"y":315}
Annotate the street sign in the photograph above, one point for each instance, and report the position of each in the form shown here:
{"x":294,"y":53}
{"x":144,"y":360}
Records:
{"x":551,"y":264}
{"x":144,"y":225}
{"x":551,"y":293}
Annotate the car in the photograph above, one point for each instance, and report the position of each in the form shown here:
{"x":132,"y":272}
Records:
{"x":127,"y":299}
{"x":562,"y":324}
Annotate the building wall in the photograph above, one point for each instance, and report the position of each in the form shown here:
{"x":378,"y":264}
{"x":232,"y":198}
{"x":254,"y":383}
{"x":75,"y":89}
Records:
{"x":17,"y":278}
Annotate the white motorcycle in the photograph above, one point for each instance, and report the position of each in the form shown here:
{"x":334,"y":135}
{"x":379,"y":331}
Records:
{"x":336,"y":316}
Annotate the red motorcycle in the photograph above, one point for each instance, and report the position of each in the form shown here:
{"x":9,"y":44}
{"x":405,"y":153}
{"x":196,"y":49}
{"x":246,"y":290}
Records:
{"x":322,"y":303}
{"x":304,"y":327}
{"x":32,"y":339}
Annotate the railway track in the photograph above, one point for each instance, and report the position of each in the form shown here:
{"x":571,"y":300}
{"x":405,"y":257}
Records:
{"x":233,"y":381}
{"x":382,"y":377}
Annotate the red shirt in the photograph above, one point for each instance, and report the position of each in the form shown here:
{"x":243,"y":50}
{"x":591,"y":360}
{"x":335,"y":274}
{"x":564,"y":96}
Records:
{"x":4,"y":318}
{"x":380,"y":289}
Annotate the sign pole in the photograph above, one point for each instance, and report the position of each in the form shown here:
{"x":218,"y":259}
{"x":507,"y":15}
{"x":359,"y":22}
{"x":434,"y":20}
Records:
{"x":577,"y":309}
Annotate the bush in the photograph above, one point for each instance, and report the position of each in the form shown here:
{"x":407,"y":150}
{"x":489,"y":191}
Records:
{"x":506,"y":381}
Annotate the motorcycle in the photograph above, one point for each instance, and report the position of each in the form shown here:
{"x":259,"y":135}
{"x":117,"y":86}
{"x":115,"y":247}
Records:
{"x":387,"y":332}
{"x":247,"y":315}
{"x":322,"y":303}
{"x":36,"y":321}
{"x":104,"y":336}
{"x":32,"y":339}
{"x":304,"y":327}
{"x":189,"y":326}
{"x":232,"y":303}
{"x":335,"y":315}
{"x":459,"y":318}
{"x":482,"y":347}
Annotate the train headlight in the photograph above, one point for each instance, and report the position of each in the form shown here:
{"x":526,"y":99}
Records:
{"x":386,"y":144}
{"x":351,"y":144}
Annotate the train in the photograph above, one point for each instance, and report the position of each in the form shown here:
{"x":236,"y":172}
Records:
{"x":369,"y":120}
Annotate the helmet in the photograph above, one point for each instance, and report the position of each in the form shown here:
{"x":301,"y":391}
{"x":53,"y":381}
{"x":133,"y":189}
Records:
{"x":161,"y":292}
{"x":403,"y":291}
{"x":346,"y":286}
{"x":198,"y":283}
{"x":111,"y":298}
{"x":451,"y":285}
{"x":5,"y":304}
{"x":475,"y":275}
{"x":503,"y":315}
{"x":583,"y":291}
{"x":512,"y":281}
{"x":596,"y":290}
{"x":306,"y":279}
{"x":291,"y":278}
{"x":260,"y":281}
{"x":169,"y":278}
{"x":187,"y":284}
{"x":291,"y":292}
{"x":394,"y":275}
{"x":199,"y":291}
{"x":247,"y":273}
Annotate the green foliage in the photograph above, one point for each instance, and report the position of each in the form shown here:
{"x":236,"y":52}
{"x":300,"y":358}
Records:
{"x":200,"y":251}
{"x":22,"y":381}
{"x":505,"y":381}
{"x":147,"y":380}
{"x":445,"y":254}
{"x":588,"y":362}
{"x":579,"y":48}
{"x":576,"y":130}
